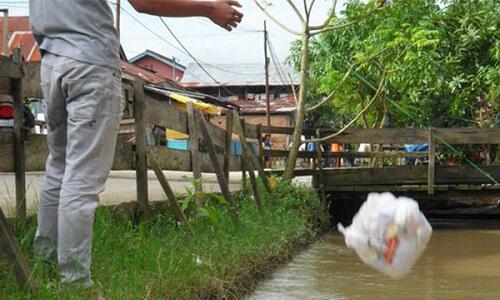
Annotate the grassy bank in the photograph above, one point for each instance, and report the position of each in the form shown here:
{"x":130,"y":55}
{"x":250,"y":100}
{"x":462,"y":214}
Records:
{"x":158,"y":260}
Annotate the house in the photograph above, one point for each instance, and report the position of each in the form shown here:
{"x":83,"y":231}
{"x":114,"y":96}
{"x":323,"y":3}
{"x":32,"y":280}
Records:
{"x":244,"y":85}
{"x":162,"y":66}
{"x":19,"y":36}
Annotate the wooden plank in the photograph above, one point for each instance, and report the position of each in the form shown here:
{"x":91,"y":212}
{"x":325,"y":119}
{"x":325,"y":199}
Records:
{"x":168,"y":159}
{"x":140,"y":148}
{"x":469,"y":135}
{"x":221,"y":178}
{"x":14,"y":255}
{"x":19,"y":155}
{"x":164,"y":113}
{"x":401,"y":135}
{"x":195,"y":153}
{"x":306,"y":154}
{"x":432,"y":162}
{"x":404,"y":175}
{"x":31,"y":80}
{"x":296,"y":172}
{"x":277,"y":130}
{"x":10,"y":69}
{"x":174,"y":204}
{"x":251,"y":152}
{"x":227,"y":145}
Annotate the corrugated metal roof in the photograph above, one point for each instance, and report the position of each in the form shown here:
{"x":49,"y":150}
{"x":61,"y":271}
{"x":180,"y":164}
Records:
{"x":237,"y":75}
{"x":144,"y":74}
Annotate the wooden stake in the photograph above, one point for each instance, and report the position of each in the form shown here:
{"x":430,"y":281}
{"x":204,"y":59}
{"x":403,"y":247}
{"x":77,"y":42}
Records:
{"x":251,"y":152}
{"x":221,"y":178}
{"x":19,"y":159}
{"x":227,"y":145}
{"x":432,"y":163}
{"x":14,"y":255}
{"x":253,"y":181}
{"x":140,"y":148}
{"x":319,"y":164}
{"x":195,"y":153}
{"x":174,"y":204}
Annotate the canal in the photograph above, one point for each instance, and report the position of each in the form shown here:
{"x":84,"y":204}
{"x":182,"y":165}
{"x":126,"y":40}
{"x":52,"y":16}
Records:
{"x":457,"y":264}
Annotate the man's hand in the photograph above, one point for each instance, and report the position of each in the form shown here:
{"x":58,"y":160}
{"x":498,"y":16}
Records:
{"x":224,"y":14}
{"x":221,"y":12}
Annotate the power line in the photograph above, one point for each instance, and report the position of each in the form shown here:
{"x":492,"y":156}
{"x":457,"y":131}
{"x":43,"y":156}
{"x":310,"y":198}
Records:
{"x":194,"y":58}
{"x":276,"y":62}
{"x":177,"y":48}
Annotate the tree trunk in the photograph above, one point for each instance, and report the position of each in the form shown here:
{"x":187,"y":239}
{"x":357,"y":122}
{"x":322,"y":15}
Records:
{"x":301,"y":111}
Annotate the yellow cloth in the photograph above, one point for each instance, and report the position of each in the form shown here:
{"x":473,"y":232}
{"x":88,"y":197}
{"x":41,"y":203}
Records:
{"x":182,"y":100}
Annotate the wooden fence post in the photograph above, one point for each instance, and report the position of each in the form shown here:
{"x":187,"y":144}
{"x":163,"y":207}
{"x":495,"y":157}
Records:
{"x":19,"y":159}
{"x":261,"y":145}
{"x":432,"y":162}
{"x":227,"y":144}
{"x":181,"y":217}
{"x":319,"y":164}
{"x":140,"y":148}
{"x":221,"y":178}
{"x":14,"y":255}
{"x":195,"y":153}
{"x":243,"y":160}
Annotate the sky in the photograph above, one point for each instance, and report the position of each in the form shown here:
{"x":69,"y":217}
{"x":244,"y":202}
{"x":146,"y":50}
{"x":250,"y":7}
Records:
{"x":206,"y":41}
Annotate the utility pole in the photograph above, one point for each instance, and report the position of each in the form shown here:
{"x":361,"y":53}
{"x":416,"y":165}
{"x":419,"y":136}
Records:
{"x":117,"y":25}
{"x":5,"y":37}
{"x":173,"y":69}
{"x":268,"y":104}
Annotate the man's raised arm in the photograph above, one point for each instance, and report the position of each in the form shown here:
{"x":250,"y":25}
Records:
{"x":221,"y":12}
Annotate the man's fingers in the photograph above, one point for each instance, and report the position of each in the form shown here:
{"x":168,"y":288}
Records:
{"x":234,"y":3}
{"x":238,"y":14}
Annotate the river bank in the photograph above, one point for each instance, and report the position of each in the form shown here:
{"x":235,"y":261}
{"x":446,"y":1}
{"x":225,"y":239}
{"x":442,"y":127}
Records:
{"x":156,"y":259}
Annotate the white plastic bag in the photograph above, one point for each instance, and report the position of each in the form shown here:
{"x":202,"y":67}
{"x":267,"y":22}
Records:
{"x":388,"y":233}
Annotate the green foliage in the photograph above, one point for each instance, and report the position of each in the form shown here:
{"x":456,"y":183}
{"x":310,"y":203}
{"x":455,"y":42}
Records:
{"x":441,"y":58}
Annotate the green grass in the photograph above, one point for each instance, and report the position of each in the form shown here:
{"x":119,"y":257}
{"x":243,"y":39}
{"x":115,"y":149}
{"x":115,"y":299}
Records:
{"x":158,"y":260}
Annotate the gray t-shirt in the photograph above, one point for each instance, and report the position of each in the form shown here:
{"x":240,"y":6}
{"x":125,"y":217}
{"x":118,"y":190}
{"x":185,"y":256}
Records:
{"x":79,"y":29}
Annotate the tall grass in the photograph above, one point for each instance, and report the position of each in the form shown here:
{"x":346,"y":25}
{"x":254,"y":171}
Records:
{"x":158,"y":260}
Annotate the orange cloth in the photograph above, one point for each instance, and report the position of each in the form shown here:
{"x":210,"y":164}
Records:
{"x":336,"y":148}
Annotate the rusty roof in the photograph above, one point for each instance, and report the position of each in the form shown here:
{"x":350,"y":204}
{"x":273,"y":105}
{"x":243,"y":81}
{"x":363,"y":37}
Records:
{"x":21,"y":37}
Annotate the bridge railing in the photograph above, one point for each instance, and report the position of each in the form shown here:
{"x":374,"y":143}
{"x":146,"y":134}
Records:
{"x":427,"y":176}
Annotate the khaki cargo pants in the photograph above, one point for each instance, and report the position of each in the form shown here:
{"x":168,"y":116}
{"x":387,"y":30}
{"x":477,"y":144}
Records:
{"x":84,"y":108}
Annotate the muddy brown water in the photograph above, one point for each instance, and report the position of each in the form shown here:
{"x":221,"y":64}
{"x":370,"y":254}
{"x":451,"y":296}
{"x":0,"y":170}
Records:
{"x":457,"y":264}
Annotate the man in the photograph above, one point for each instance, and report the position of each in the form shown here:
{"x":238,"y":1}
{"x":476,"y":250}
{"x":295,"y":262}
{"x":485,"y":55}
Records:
{"x":81,"y":82}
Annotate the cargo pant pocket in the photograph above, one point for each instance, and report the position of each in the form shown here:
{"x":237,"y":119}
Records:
{"x":84,"y":98}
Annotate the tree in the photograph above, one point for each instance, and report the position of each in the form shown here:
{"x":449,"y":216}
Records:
{"x":441,"y":62}
{"x":305,"y":33}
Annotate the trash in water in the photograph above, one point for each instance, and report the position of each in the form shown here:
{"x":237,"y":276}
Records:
{"x":388,"y":233}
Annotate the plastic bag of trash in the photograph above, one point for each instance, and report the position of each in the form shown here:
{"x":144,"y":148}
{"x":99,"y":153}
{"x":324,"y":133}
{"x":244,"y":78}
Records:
{"x":388,"y":233}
